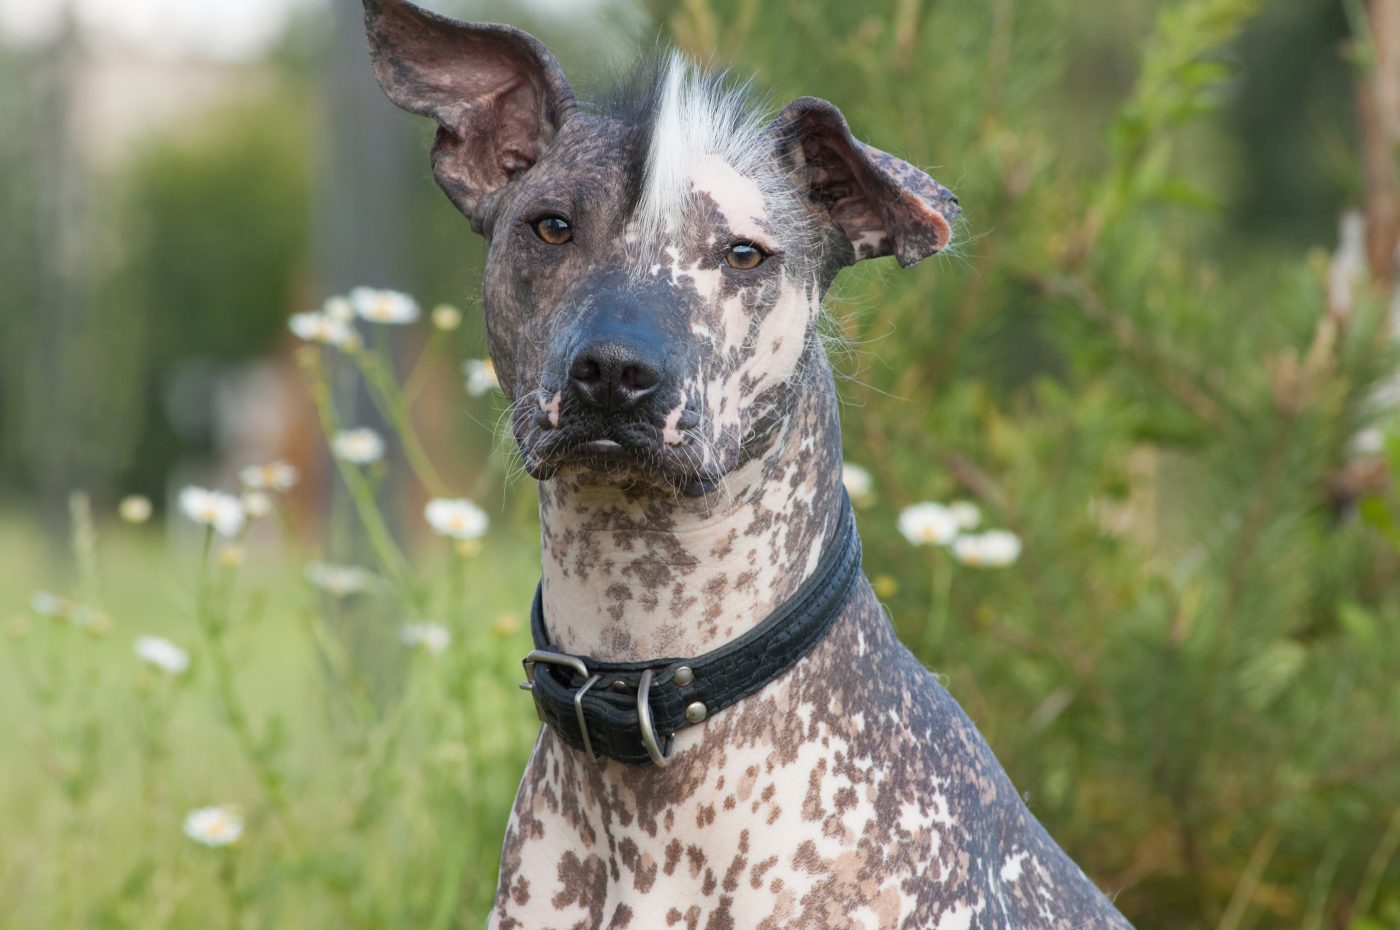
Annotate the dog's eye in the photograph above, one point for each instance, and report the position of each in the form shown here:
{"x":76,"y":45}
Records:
{"x":745,"y":256}
{"x":554,"y":229}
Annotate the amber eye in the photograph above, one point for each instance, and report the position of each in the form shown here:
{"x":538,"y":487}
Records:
{"x":554,"y":229}
{"x":745,"y":256}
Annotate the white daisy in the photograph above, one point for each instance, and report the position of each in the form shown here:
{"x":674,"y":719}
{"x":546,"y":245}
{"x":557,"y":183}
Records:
{"x":339,"y":580}
{"x":992,"y":549}
{"x":274,"y":476}
{"x":317,"y":327}
{"x":86,"y":618}
{"x":481,"y":376}
{"x":50,"y":605}
{"x":383,"y":306}
{"x":928,"y":524}
{"x":446,"y":317}
{"x":460,"y":518}
{"x":361,"y":446}
{"x":433,"y":638}
{"x":222,"y":511}
{"x":134,"y":508}
{"x":860,"y":485}
{"x":214,"y":826}
{"x":256,"y":504}
{"x":162,"y":653}
{"x":339,"y":309}
{"x":966,"y":513}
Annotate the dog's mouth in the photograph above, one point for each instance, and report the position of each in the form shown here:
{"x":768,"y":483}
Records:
{"x":631,"y":452}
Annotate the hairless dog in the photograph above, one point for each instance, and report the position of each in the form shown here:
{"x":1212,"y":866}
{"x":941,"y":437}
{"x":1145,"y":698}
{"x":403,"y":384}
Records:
{"x":734,"y":737}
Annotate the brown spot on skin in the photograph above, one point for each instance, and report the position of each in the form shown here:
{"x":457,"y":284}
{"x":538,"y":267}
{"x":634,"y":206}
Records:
{"x":582,"y":883}
{"x":812,"y":803}
{"x":641,"y":865}
{"x":721,"y":919}
{"x":757,"y":872}
{"x":747,"y":783}
{"x":673,"y":856}
{"x":696,"y":858}
{"x":734,"y":873}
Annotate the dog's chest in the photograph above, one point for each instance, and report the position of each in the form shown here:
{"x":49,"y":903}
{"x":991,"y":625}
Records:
{"x":754,"y":836}
{"x":846,"y":794}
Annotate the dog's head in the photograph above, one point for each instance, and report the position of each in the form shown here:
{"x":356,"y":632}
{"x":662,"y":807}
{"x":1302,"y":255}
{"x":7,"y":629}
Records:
{"x":656,"y":263}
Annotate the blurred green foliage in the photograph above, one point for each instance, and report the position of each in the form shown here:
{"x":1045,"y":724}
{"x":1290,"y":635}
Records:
{"x":1191,"y":672}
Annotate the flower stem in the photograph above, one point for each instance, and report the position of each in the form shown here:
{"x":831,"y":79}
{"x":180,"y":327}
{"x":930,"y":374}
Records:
{"x":392,"y":403}
{"x":362,"y":496}
{"x":228,"y":880}
{"x":941,"y":579}
{"x":212,"y":625}
{"x":418,"y":375}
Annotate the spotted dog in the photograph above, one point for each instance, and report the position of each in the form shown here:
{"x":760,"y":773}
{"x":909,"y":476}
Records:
{"x":656,"y":268}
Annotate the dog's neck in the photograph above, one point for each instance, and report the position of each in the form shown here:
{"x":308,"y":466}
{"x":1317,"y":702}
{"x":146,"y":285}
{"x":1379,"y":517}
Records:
{"x":643,"y":574}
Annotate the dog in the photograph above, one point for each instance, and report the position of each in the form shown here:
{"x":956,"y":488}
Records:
{"x":734,"y":736}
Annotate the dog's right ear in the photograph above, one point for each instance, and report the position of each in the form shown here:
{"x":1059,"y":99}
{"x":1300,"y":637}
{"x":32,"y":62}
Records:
{"x":498,"y":95}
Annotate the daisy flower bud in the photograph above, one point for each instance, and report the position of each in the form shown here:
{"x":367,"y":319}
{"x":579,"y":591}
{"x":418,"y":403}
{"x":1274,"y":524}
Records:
{"x":446,"y":317}
{"x":134,"y":508}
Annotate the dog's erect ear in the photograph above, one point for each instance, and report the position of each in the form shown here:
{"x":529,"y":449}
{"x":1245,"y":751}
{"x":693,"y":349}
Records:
{"x":881,"y":205}
{"x":496,"y":92}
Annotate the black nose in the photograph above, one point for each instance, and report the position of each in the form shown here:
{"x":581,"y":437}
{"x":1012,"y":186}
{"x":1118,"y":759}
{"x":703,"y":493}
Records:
{"x":613,"y":375}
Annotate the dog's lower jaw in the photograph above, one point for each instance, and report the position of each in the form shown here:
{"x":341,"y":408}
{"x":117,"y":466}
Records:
{"x":643,"y":571}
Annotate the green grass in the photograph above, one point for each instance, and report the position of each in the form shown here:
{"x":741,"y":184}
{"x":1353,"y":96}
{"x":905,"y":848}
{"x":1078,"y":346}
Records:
{"x":375,"y":780}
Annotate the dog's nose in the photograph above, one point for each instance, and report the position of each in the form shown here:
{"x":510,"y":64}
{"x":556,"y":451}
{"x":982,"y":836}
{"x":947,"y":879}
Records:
{"x":613,"y":375}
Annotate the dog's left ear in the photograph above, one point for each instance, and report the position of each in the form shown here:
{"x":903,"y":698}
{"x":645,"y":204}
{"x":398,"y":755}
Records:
{"x":880,"y":204}
{"x":498,"y":95}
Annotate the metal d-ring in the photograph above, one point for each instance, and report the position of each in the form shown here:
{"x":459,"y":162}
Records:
{"x":644,"y":721}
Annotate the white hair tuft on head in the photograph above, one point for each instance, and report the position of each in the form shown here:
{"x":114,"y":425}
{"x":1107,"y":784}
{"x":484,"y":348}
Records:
{"x":699,"y":115}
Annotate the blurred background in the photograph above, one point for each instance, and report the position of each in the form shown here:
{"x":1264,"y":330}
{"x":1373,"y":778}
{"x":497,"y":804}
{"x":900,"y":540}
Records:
{"x":1163,"y":354}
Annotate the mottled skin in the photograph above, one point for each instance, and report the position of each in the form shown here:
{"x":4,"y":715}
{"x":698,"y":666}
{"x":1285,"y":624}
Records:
{"x":850,"y":792}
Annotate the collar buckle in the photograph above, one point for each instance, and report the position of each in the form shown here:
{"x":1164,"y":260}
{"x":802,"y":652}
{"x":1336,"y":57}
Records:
{"x":578,"y":665}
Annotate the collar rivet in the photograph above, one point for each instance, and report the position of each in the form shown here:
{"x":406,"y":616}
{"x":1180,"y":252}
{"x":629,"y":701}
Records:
{"x":696,"y":712}
{"x":684,"y":676}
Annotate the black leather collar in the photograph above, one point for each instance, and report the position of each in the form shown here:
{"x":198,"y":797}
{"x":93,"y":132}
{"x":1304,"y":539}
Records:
{"x":629,"y":711}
